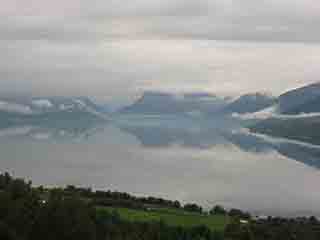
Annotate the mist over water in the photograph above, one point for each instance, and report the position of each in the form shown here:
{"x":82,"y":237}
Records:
{"x":192,"y":159}
{"x":203,"y":161}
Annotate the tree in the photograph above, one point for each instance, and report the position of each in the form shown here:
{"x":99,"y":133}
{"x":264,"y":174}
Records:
{"x":192,"y":207}
{"x":6,"y":233}
{"x":217,"y":210}
{"x":64,"y":218}
{"x":239,"y":214}
{"x":176,"y":204}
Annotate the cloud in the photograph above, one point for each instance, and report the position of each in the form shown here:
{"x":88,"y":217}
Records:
{"x":209,"y":19}
{"x":112,"y":48}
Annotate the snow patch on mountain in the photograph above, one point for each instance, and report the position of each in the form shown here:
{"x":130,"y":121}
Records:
{"x":14,"y":107}
{"x":272,"y":112}
{"x":64,"y":107}
{"x":42,"y":103}
{"x":80,"y":103}
{"x":262,"y":114}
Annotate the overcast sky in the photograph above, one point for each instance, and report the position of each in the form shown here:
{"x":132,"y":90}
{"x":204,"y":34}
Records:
{"x":114,"y":49}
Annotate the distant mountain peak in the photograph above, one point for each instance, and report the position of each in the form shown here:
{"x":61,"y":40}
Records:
{"x":313,"y":87}
{"x":43,"y":105}
{"x":250,"y":103}
{"x":159,"y":102}
{"x":301,"y":100}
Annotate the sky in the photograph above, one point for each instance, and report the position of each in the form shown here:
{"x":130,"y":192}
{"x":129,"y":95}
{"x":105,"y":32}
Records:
{"x":117,"y":49}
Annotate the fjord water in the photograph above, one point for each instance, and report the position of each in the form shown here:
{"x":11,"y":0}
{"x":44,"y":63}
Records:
{"x":193,"y":160}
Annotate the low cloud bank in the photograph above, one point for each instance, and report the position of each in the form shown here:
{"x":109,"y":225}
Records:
{"x":272,"y":112}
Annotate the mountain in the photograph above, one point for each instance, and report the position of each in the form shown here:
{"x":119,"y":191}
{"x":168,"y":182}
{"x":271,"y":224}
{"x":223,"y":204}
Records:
{"x":167,"y":103}
{"x":64,"y":104}
{"x":51,"y":112}
{"x":301,"y":100}
{"x":48,"y":104}
{"x":297,"y":103}
{"x":154,"y":103}
{"x":249,"y":103}
{"x":312,"y":106}
{"x":297,"y":117}
{"x":299,"y":152}
{"x":304,"y":129}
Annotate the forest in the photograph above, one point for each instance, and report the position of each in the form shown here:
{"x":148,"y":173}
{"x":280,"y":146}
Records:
{"x":28,"y":212}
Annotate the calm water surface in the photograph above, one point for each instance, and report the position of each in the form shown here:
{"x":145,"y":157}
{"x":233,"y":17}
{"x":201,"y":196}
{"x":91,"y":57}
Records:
{"x":203,"y":163}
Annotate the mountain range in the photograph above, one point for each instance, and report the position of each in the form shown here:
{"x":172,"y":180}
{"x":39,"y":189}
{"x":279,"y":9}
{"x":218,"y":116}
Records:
{"x":29,"y":106}
{"x":294,"y":102}
{"x":295,"y":114}
{"x":49,"y":112}
{"x":159,"y":103}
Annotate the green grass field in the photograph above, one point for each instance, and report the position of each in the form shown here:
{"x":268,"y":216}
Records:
{"x":171,"y":217}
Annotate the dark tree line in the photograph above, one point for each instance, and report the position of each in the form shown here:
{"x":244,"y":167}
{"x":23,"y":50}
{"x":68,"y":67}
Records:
{"x":122,"y":199}
{"x":275,"y":229}
{"x":63,"y":215}
{"x":28,"y":213}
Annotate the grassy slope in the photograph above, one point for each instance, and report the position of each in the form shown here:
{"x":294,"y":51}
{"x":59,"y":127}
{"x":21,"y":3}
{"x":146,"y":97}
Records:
{"x":172,"y":217}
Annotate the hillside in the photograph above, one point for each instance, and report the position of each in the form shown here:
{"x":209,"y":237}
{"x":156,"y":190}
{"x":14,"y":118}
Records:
{"x":37,"y":213}
{"x":167,"y":103}
{"x":173,"y":217}
{"x":304,"y":129}
{"x":311,"y":106}
{"x":249,"y":103}
{"x":300,"y":100}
